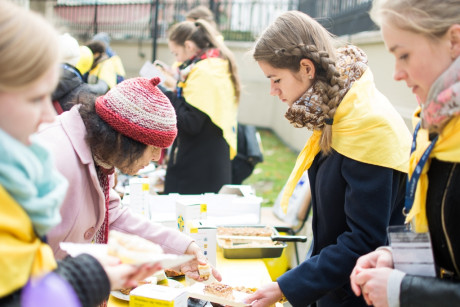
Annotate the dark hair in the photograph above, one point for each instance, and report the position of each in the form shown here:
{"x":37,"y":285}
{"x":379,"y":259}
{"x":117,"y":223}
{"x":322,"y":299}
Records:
{"x":96,"y":46}
{"x":109,"y":145}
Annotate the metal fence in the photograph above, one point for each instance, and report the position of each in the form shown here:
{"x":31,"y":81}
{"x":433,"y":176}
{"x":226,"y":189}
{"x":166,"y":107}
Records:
{"x":239,"y":20}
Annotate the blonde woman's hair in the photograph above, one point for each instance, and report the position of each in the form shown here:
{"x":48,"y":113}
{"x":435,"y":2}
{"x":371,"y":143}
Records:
{"x":431,"y":18}
{"x":202,"y":12}
{"x":294,"y":36}
{"x":202,"y":34}
{"x":28,"y":47}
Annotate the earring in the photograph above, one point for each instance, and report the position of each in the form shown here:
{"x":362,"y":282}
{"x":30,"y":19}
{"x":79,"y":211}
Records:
{"x":310,"y":77}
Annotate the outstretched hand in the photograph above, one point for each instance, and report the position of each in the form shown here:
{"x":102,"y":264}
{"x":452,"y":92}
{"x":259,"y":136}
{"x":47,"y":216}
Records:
{"x":191,"y":268}
{"x":267,"y":295}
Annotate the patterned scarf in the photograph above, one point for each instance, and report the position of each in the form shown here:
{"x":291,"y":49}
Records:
{"x":443,"y":100}
{"x":186,"y":67}
{"x":439,"y":114}
{"x":103,"y":171}
{"x":365,"y":127}
{"x":308,"y":110}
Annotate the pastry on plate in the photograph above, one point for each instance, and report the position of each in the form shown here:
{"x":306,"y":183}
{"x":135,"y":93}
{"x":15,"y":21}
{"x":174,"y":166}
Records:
{"x":220,"y":290}
{"x":131,"y":249}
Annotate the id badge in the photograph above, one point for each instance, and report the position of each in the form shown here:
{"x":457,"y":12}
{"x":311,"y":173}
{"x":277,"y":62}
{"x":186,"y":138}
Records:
{"x":412,"y":252}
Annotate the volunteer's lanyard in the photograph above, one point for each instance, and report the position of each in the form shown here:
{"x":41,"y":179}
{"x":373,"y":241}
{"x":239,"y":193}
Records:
{"x":412,"y":183}
{"x":73,"y":70}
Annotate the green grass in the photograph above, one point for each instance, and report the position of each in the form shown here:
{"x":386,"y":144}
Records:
{"x":270,"y":176}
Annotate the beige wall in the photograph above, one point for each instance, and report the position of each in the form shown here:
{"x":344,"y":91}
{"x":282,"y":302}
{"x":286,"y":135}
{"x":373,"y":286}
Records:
{"x":257,"y":107}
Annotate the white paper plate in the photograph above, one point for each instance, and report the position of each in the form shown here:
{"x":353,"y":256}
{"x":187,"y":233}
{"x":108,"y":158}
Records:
{"x":196,"y":291}
{"x":171,"y":283}
{"x":166,"y":260}
{"x":119,"y":295}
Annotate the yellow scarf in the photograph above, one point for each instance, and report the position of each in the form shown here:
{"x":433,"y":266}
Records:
{"x":366,"y":128}
{"x":22,"y":254}
{"x":209,"y":89}
{"x":447,"y":149}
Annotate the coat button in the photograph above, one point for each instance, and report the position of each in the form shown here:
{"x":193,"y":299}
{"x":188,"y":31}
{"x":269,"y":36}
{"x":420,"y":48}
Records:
{"x":90,"y":233}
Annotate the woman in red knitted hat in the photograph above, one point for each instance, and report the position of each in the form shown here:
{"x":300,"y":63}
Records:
{"x":125,"y":129}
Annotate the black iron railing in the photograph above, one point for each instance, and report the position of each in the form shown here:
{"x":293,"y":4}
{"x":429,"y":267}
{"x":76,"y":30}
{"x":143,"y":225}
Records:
{"x":239,"y":20}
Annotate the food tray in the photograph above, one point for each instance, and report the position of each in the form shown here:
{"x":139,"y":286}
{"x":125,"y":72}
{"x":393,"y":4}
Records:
{"x":246,"y":247}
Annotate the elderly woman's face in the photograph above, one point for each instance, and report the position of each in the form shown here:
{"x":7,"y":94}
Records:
{"x":419,"y":60}
{"x":151,"y":153}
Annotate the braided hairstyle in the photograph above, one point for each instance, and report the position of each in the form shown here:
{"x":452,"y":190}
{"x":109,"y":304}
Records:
{"x":295,"y":36}
{"x":204,"y":36}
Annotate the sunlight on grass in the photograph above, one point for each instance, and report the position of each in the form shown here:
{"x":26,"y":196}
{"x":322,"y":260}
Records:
{"x":270,"y":176}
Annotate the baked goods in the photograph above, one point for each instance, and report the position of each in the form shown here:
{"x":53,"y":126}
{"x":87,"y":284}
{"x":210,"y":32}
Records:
{"x":245,"y":231}
{"x":245,"y":289}
{"x":131,"y":249}
{"x":205,"y":271}
{"x":173,"y":273}
{"x":220,"y":290}
{"x":149,"y":280}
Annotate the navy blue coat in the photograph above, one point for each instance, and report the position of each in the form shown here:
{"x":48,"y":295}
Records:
{"x":353,"y":203}
{"x":199,"y":161}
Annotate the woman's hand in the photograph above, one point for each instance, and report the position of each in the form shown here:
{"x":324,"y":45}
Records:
{"x":373,"y":284}
{"x":126,"y":275}
{"x":191,"y":268}
{"x":267,"y":295}
{"x":381,"y":258}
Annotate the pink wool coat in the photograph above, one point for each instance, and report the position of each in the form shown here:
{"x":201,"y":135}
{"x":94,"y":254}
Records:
{"x":83,"y":209}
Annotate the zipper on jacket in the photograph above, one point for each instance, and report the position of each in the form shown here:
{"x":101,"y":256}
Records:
{"x":449,"y":244}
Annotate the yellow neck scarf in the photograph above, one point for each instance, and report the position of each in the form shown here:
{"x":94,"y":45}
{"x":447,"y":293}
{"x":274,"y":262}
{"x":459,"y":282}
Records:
{"x":209,"y":89}
{"x":366,"y":128}
{"x":22,"y":254}
{"x":447,"y":149}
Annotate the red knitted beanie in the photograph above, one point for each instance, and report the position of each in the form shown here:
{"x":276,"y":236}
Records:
{"x":138,"y":109}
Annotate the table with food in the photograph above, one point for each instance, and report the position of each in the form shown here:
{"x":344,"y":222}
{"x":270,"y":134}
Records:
{"x":242,"y":270}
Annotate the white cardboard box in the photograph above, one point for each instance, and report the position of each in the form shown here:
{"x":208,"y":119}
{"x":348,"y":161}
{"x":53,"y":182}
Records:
{"x":154,"y":295}
{"x":234,"y":205}
{"x":188,"y":210}
{"x":205,"y":236}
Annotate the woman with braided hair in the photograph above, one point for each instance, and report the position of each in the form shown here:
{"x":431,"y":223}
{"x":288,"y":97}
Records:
{"x":356,"y":157}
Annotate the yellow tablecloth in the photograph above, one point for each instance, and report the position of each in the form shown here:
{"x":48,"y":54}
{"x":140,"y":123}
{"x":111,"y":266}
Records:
{"x":244,"y":272}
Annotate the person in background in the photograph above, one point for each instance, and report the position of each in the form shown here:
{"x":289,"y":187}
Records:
{"x":356,"y":157}
{"x":31,"y":189}
{"x":114,"y":58}
{"x":71,"y":79}
{"x":424,"y":37}
{"x":170,"y":71}
{"x":206,"y":103}
{"x":201,"y":12}
{"x":102,"y":75}
{"x":124,"y":129}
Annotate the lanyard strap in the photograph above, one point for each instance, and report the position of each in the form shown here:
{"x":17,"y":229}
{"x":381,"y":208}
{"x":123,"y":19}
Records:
{"x":73,"y":70}
{"x":412,"y":182}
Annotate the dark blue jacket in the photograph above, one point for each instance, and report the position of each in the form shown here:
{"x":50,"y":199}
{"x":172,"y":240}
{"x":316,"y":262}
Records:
{"x":353,"y":203}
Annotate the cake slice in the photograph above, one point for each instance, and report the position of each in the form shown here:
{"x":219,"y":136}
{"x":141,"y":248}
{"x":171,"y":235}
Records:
{"x":220,"y":290}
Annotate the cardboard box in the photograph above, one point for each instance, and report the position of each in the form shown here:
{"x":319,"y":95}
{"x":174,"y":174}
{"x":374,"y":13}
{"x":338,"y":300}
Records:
{"x":189,"y":210}
{"x":205,"y":236}
{"x":234,"y":205}
{"x":153,"y":295}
